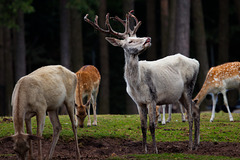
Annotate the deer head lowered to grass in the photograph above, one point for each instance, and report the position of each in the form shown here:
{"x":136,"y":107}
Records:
{"x":88,"y":85}
{"x":165,"y":81}
{"x":44,"y":90}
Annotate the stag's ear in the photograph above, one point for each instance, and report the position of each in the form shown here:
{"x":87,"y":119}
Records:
{"x":114,"y":41}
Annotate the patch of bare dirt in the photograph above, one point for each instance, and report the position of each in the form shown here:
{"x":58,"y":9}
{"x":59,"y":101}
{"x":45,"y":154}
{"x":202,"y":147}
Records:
{"x":92,"y":148}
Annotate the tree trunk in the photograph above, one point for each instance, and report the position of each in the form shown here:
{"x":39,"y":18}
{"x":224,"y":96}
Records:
{"x":131,"y":107}
{"x":164,"y":27}
{"x":151,"y":30}
{"x":64,"y":34}
{"x":223,"y":44}
{"x":9,"y":82}
{"x":200,"y":40}
{"x":104,"y":62}
{"x":171,"y":29}
{"x":64,"y":40}
{"x":2,"y":75}
{"x":237,"y":4}
{"x":76,"y":40}
{"x":20,"y":52}
{"x":183,"y":27}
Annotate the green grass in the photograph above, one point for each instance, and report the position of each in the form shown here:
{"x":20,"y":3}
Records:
{"x":128,"y":127}
{"x":171,"y":156}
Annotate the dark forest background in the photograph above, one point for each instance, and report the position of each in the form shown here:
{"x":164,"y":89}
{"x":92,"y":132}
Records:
{"x":37,"y":33}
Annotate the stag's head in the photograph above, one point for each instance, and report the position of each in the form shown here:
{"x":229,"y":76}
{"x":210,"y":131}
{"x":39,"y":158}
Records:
{"x":128,"y":40}
{"x":81,"y":114}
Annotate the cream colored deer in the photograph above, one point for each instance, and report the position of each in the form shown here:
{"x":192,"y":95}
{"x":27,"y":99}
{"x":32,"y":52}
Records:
{"x":164,"y":81}
{"x":88,"y":85}
{"x":44,"y":90}
{"x":219,"y":79}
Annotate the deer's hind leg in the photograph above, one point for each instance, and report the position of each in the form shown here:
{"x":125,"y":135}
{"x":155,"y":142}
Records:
{"x":29,"y":131}
{"x":53,"y":116}
{"x":70,"y":109}
{"x":94,"y":105}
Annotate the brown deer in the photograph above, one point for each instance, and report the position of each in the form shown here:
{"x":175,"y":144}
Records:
{"x":151,"y":83}
{"x":44,"y":90}
{"x":219,"y":79}
{"x":88,"y":84}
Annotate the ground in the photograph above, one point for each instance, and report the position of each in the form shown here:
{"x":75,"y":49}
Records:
{"x":92,"y":148}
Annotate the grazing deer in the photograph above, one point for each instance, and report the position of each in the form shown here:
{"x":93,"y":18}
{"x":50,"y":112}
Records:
{"x":44,"y":90}
{"x":164,"y":81}
{"x":163,"y":121}
{"x":88,"y":84}
{"x":219,"y":79}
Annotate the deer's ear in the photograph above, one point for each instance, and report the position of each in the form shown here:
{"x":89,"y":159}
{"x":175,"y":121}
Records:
{"x":114,"y":41}
{"x":195,"y":101}
{"x":6,"y":139}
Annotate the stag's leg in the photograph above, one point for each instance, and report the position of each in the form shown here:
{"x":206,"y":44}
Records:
{"x":53,"y":116}
{"x":70,"y":110}
{"x":143,"y":116}
{"x":196,"y":115}
{"x":41,"y":115}
{"x":29,"y":131}
{"x":226,"y":104}
{"x":152,"y":116}
{"x":94,"y":104}
{"x":186,"y":101}
{"x":214,"y":100}
{"x":164,"y":112}
{"x":169,"y":113}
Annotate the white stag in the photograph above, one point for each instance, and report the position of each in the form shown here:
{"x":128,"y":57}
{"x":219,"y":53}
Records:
{"x":88,"y":85}
{"x":44,"y":90}
{"x":164,"y":81}
{"x":219,"y":79}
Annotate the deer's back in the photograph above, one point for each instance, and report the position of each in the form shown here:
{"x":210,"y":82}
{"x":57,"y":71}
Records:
{"x":88,"y":78}
{"x":49,"y":86}
{"x":225,"y":76}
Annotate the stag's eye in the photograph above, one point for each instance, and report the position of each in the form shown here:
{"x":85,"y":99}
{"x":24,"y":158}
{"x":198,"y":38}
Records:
{"x":130,"y":41}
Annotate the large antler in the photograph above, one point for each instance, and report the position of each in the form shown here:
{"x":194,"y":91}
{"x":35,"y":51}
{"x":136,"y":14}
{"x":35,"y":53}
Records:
{"x":127,"y":26}
{"x":128,"y":32}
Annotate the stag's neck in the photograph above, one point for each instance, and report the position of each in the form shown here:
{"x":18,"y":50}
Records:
{"x":131,"y":72}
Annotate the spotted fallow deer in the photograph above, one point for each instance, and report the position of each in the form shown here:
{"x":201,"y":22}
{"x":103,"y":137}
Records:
{"x":149,"y":83}
{"x":44,"y":90}
{"x":219,"y":79}
{"x":88,"y":84}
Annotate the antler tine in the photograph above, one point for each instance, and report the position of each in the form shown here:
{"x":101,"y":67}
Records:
{"x":95,"y":24}
{"x":120,"y":35}
{"x":119,"y":20}
{"x":97,"y":27}
{"x":138,"y":23}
